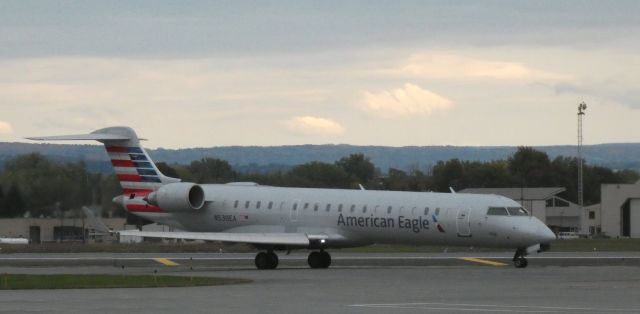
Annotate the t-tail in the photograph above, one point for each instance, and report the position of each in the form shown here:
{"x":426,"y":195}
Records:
{"x":137,"y":173}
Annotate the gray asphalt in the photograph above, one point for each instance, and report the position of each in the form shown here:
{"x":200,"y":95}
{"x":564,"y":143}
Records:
{"x":298,"y":259}
{"x":356,"y":283}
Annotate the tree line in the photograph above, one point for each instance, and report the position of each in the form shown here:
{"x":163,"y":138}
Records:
{"x":32,"y":185}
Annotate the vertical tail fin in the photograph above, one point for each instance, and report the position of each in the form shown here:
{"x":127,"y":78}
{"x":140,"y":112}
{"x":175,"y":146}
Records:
{"x":137,"y":173}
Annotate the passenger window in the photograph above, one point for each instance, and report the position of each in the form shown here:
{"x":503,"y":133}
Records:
{"x":426,"y":211}
{"x":413,"y":211}
{"x":328,"y":207}
{"x":364,"y":209}
{"x":437,"y":211}
{"x":246,"y":204}
{"x":517,"y":211}
{"x":306,"y":205}
{"x":315,"y":207}
{"x":258,"y":205}
{"x":235,"y":204}
{"x":270,"y":205}
{"x":389,"y":209}
{"x":497,"y":211}
{"x":353,"y":208}
{"x":295,"y":206}
{"x":340,"y":208}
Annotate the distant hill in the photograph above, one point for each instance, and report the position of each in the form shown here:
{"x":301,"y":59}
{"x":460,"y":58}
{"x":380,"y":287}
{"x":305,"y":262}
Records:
{"x":266,"y":159}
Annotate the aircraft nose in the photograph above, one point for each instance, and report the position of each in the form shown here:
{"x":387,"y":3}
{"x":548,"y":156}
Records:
{"x":545,"y":234}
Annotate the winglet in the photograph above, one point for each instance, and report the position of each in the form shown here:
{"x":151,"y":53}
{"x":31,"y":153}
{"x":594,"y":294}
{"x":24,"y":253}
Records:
{"x":95,"y":222}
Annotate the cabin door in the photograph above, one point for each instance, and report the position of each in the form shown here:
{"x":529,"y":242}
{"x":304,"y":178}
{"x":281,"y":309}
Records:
{"x":462,"y":223}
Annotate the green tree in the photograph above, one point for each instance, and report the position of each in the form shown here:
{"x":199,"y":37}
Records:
{"x":531,"y":166}
{"x":358,"y":167}
{"x":2,"y":202}
{"x":318,"y":174}
{"x":449,"y":174}
{"x":14,"y":203}
{"x":167,"y":170}
{"x":211,"y":170}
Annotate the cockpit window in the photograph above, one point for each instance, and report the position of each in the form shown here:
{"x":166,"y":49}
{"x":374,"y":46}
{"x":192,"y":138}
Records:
{"x":497,"y":211}
{"x":517,"y":211}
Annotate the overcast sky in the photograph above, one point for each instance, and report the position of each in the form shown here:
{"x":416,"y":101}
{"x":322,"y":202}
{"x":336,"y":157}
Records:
{"x":189,"y":74}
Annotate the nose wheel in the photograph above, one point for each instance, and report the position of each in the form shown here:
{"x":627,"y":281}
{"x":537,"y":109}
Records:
{"x":266,"y":260}
{"x":319,"y":259}
{"x":519,"y":259}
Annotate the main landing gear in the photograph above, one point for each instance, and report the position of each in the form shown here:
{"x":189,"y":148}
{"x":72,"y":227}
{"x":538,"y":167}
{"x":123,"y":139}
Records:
{"x":269,"y":260}
{"x":519,"y":259}
{"x":319,"y":259}
{"x":266,"y":260}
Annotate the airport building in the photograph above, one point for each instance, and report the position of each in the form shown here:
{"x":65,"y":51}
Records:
{"x":39,"y":230}
{"x":591,"y":221}
{"x":619,"y":210}
{"x":49,"y":230}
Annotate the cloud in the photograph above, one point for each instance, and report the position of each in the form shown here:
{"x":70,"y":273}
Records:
{"x":409,"y":100}
{"x":314,"y":126}
{"x":450,"y":66}
{"x":5,"y":128}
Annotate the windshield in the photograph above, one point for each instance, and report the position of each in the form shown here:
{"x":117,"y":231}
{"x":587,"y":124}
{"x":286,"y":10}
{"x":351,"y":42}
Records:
{"x":497,"y":211}
{"x":517,"y":211}
{"x":509,"y":211}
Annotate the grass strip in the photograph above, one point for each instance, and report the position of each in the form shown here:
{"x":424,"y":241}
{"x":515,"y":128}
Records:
{"x":20,"y":282}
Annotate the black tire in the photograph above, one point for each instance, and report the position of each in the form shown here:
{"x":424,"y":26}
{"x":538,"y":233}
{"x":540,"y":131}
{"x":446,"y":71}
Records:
{"x":326,"y":259}
{"x":315,"y":260}
{"x":262,"y":261}
{"x":273,"y":260}
{"x":520,"y":262}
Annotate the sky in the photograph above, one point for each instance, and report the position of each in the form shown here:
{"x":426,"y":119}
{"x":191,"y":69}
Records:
{"x":393,"y":73}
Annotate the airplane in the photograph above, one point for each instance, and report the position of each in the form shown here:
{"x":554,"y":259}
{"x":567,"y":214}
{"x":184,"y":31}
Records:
{"x":275,"y":219}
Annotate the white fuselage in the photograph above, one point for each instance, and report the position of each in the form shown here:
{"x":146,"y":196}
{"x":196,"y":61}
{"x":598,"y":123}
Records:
{"x":357,"y":217}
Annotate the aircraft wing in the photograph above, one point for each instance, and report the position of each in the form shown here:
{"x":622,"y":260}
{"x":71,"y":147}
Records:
{"x":293,"y":239}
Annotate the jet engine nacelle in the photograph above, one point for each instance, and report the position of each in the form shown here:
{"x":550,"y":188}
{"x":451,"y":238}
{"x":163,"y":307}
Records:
{"x":175,"y":197}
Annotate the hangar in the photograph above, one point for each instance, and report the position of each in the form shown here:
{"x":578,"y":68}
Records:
{"x":620,"y":210}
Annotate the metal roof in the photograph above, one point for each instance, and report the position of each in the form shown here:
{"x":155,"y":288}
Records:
{"x":518,"y":193}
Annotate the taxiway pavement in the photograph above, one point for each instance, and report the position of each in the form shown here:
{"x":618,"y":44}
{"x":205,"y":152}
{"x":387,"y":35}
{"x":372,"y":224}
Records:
{"x":356,"y":283}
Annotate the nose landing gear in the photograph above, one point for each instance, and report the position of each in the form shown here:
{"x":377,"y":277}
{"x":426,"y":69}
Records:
{"x":519,"y":259}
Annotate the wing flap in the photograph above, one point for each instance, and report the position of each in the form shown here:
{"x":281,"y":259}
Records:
{"x":294,"y":239}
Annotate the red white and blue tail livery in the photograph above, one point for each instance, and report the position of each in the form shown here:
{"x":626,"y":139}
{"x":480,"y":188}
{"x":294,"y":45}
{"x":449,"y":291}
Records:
{"x":137,"y":173}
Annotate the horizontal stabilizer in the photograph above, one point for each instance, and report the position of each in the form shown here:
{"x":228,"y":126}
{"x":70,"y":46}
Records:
{"x":82,"y":137}
{"x":293,"y":239}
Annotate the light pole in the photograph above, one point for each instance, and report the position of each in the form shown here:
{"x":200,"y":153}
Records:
{"x":581,"y":112}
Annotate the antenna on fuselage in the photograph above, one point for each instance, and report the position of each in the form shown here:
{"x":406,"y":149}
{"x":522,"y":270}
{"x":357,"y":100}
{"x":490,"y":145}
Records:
{"x":361,"y":187}
{"x":452,"y":190}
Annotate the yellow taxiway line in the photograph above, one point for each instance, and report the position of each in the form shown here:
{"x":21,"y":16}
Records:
{"x":166,"y":262}
{"x":482,"y":261}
